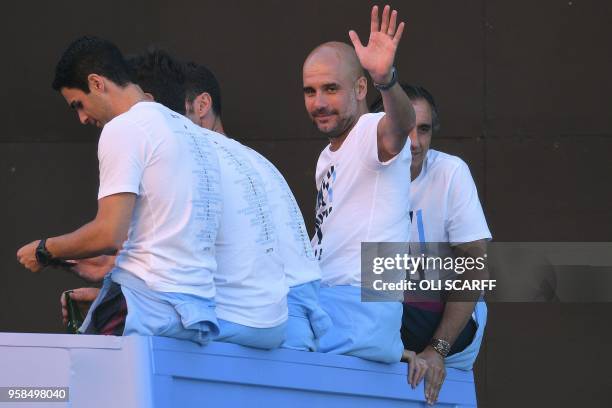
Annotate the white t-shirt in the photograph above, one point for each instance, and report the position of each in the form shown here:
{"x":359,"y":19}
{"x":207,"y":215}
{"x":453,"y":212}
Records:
{"x":445,"y":207}
{"x":169,"y":164}
{"x":250,"y":281}
{"x":296,"y":251}
{"x":359,"y":199}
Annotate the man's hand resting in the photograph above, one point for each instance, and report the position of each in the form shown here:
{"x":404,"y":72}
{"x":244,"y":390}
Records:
{"x":417,"y":367}
{"x":93,"y":269}
{"x":435,"y":374}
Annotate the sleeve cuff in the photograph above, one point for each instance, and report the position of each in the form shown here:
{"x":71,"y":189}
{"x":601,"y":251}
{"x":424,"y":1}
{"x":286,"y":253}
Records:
{"x":116,"y":190}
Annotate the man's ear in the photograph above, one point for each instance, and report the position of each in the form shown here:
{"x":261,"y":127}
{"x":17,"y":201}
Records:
{"x":96,"y":83}
{"x":361,"y":88}
{"x":203,"y":104}
{"x":149,"y":97}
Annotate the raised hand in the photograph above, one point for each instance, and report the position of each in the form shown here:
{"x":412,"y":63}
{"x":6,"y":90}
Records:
{"x":377,"y":57}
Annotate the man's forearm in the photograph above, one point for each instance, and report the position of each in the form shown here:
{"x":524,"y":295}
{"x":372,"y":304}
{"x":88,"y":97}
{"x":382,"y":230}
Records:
{"x":88,"y":241}
{"x":400,"y":117}
{"x":460,"y":304}
{"x":456,"y":315}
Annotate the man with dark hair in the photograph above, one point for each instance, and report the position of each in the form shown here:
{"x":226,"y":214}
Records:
{"x":153,"y":71}
{"x":87,"y":55}
{"x":307,"y":321}
{"x":359,"y":176}
{"x":445,"y":209}
{"x":164,"y":232}
{"x":250,"y":299}
{"x":203,"y":93}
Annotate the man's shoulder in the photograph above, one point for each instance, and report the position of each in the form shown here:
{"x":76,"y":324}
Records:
{"x":438,"y":161}
{"x":367,"y":120}
{"x":136,"y":116}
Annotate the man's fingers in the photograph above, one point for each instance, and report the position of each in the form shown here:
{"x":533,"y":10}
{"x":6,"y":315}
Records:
{"x":428,"y":384}
{"x":384,"y":23}
{"x":63,"y":305}
{"x":392,"y":23}
{"x":411,"y":370}
{"x":433,"y":383}
{"x":398,"y":34}
{"x":438,"y":386}
{"x":33,"y":266}
{"x":64,"y":308}
{"x":355,"y":40}
{"x":374,"y":20}
{"x":84,"y":294}
{"x":415,"y":374}
{"x":421,"y":372}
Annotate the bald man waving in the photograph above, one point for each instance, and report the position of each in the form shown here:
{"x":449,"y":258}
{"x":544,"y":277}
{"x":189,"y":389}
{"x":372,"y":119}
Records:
{"x":362,"y":185}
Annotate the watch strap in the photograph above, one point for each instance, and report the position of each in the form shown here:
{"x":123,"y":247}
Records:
{"x":43,"y":256}
{"x":393,"y":81}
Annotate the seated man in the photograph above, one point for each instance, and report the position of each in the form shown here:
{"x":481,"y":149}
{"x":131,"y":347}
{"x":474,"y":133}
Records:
{"x":164,"y":233}
{"x":363,"y":191}
{"x":307,"y":321}
{"x":445,"y":209}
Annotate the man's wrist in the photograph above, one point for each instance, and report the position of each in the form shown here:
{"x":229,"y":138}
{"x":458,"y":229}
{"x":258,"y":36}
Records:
{"x":43,"y":256}
{"x":387,"y":82}
{"x":440,"y":346}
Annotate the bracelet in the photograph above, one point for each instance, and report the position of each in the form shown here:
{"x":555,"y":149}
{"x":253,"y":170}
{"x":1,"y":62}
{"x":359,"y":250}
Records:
{"x":393,"y":81}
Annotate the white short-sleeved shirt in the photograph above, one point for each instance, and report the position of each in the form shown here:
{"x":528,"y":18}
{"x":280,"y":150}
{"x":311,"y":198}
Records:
{"x":171,"y":166}
{"x":250,"y":280}
{"x":296,"y":251}
{"x":359,"y":199}
{"x":445,"y":204}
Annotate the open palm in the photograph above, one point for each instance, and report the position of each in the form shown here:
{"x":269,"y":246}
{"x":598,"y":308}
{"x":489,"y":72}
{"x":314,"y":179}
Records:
{"x":378,"y":56}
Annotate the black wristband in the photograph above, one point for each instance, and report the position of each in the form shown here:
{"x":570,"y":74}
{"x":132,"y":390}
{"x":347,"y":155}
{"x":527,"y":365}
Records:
{"x":43,"y":256}
{"x":393,"y":81}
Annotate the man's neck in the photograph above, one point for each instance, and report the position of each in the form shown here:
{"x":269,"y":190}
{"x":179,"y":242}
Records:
{"x":218,"y":126}
{"x":335,"y":143}
{"x":127,"y":97}
{"x":415,"y":171}
{"x":213,"y":123}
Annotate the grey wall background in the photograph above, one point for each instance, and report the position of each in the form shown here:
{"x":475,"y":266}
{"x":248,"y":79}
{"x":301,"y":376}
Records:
{"x":523,"y":89}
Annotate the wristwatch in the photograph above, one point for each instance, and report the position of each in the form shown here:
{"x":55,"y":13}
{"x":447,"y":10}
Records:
{"x":43,"y":256}
{"x":441,"y":346}
{"x":393,"y":81}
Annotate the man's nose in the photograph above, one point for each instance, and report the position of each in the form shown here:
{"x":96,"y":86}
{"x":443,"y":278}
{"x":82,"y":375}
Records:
{"x":414,"y":141}
{"x":83,"y":118}
{"x":320,"y":100}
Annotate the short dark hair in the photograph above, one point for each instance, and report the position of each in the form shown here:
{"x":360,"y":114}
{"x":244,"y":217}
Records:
{"x":90,"y":55}
{"x":161,"y":75}
{"x":199,"y":79}
{"x":414,"y":92}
